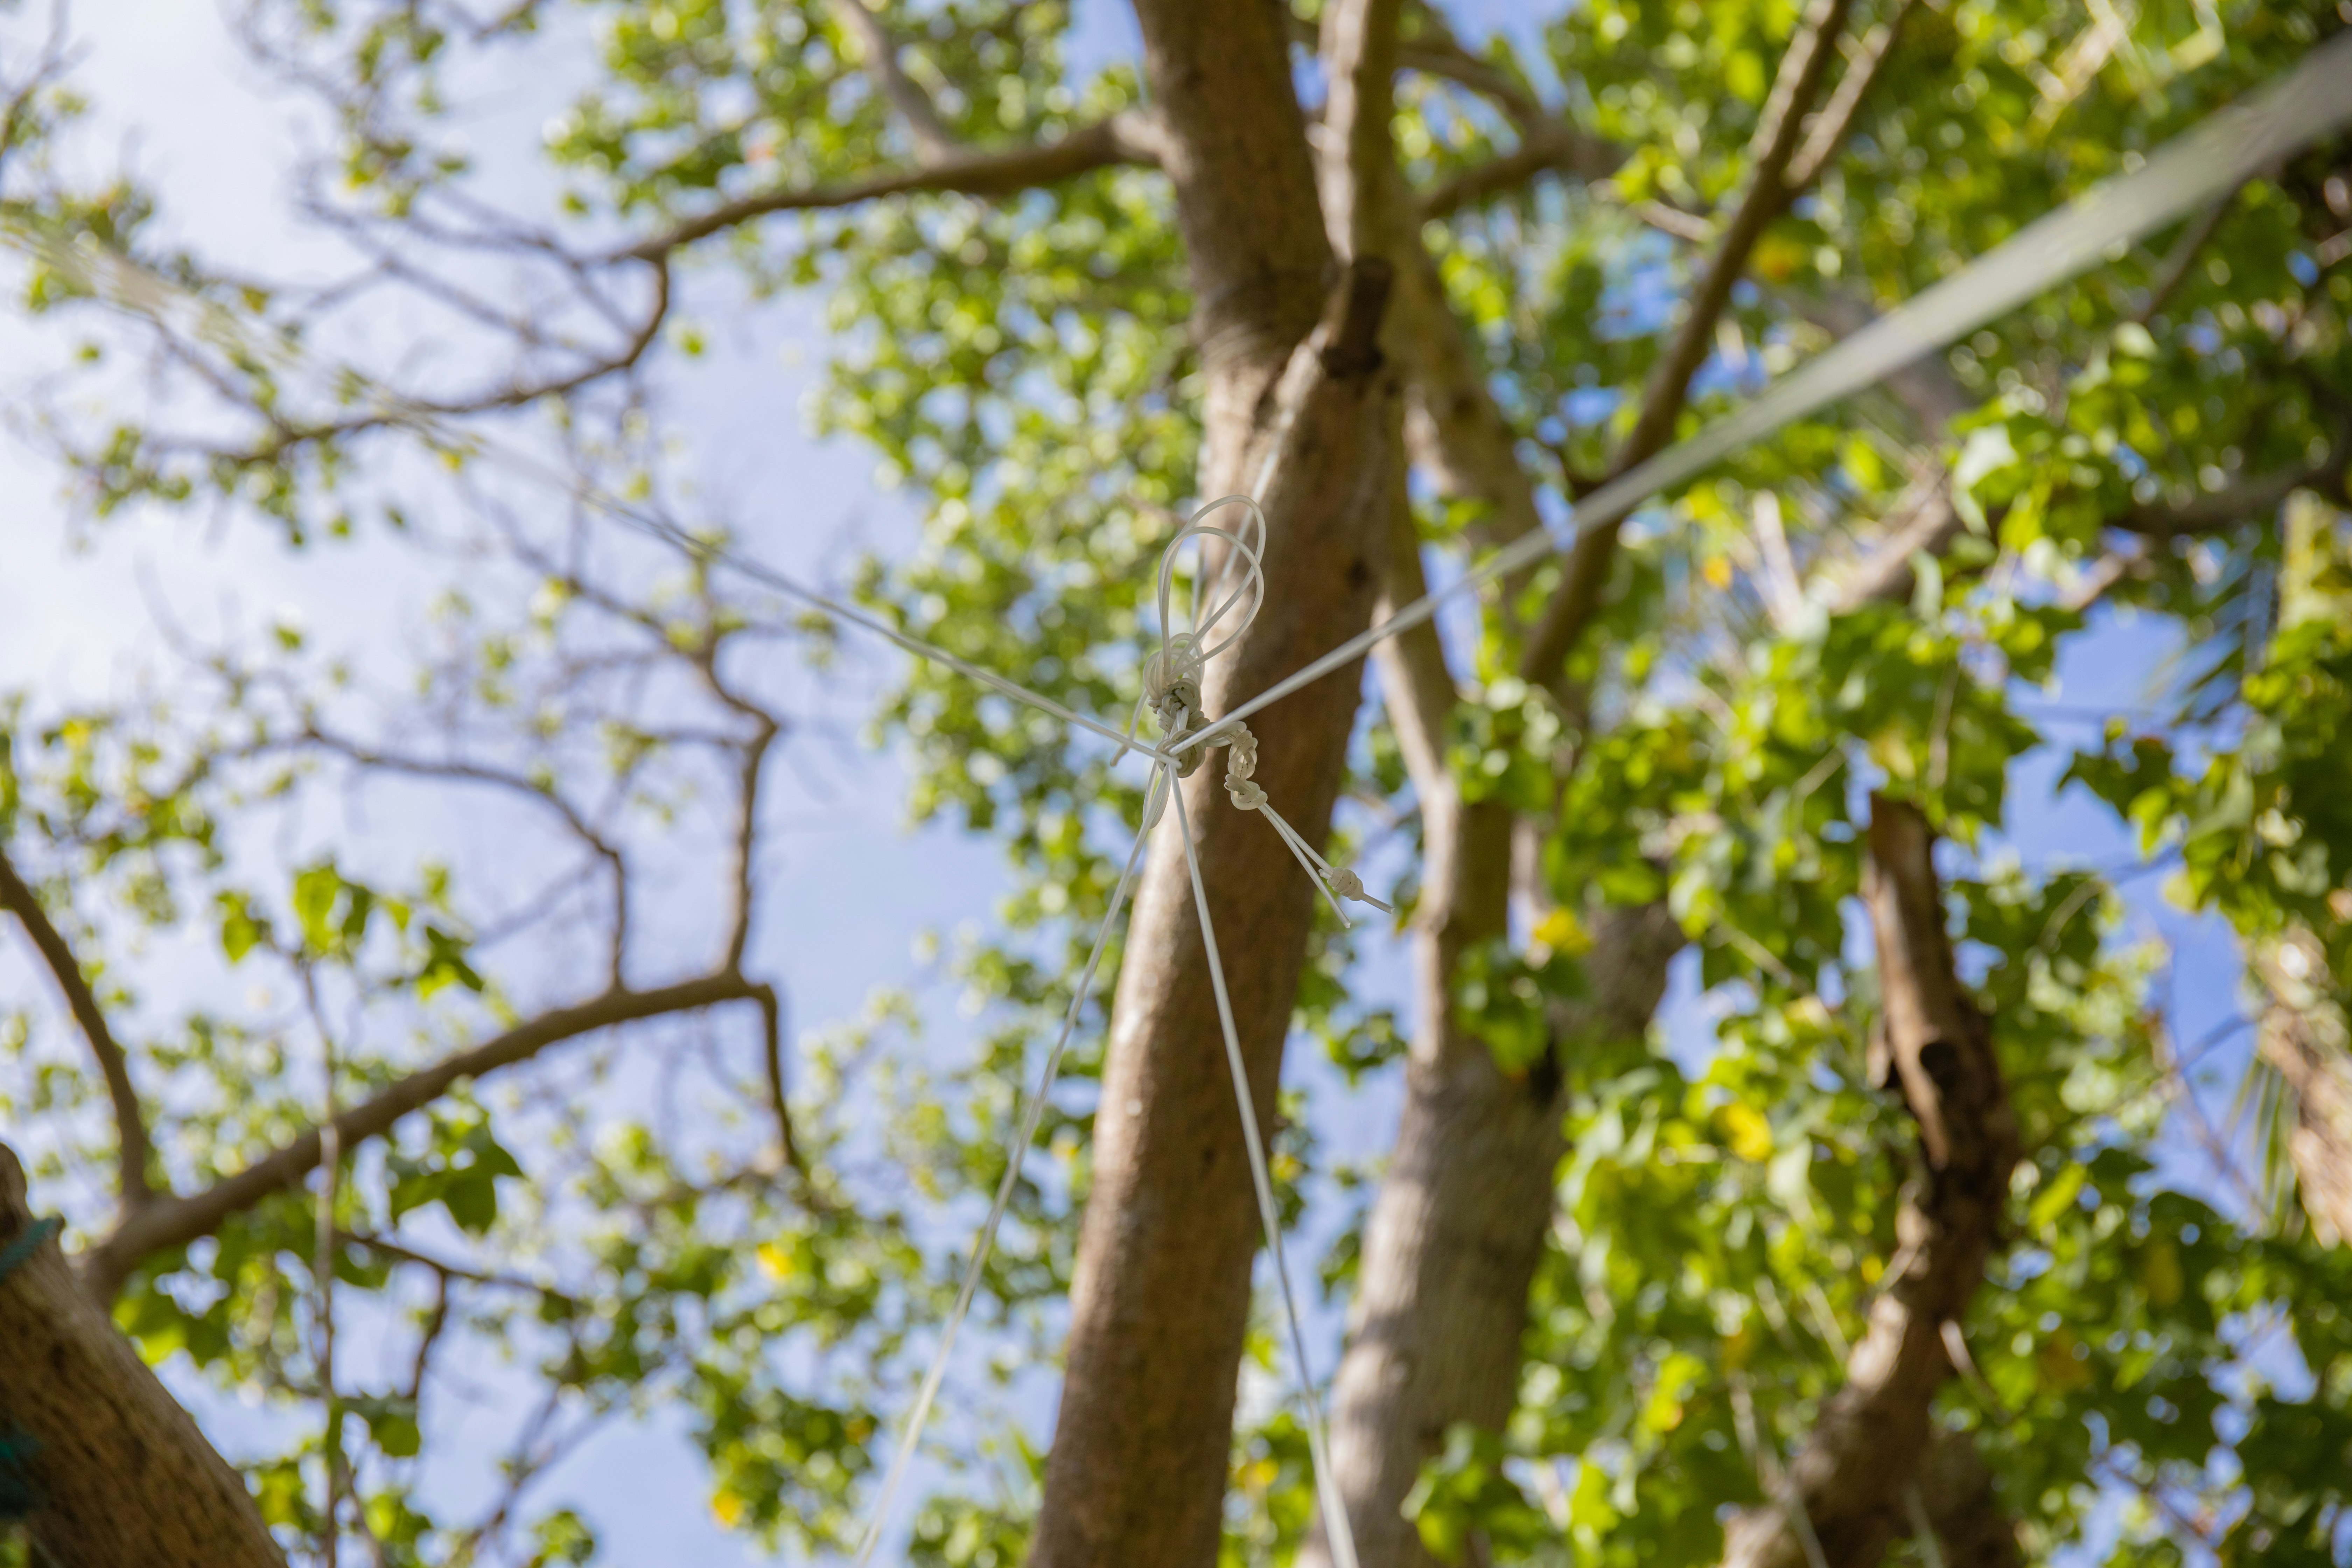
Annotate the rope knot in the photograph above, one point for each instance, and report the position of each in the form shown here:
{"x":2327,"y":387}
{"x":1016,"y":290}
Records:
{"x":1233,"y":586}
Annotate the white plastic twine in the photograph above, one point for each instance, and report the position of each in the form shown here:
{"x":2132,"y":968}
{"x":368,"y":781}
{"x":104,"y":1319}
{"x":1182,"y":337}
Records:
{"x":911,"y":1437}
{"x":1225,"y":598}
{"x":2222,"y":151}
{"x":1235,"y":586}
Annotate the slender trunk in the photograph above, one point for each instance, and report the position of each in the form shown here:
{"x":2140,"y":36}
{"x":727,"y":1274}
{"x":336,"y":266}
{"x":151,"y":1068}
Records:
{"x":1848,"y":1485}
{"x":1160,"y":1297}
{"x":1958,"y":1500}
{"x":2303,"y":1035}
{"x":1459,"y":1228}
{"x":118,"y":1473}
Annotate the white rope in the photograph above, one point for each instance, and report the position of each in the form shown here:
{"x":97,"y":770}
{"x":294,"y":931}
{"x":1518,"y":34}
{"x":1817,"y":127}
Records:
{"x":1341,"y":1538}
{"x":1172,"y":676}
{"x":2218,"y":153}
{"x":134,"y":290}
{"x":2222,"y":151}
{"x":1241,"y":787}
{"x":1233,"y":586}
{"x":1016,"y":1151}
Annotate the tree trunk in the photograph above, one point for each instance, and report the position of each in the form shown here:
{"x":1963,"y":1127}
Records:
{"x":119,"y":1475}
{"x":1847,"y":1486}
{"x":2303,"y":1035}
{"x":1458,"y":1227}
{"x":1957,"y":1496}
{"x":1160,"y":1298}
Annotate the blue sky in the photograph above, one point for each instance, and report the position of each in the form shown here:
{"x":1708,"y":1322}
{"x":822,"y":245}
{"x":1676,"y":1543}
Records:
{"x":75,"y":617}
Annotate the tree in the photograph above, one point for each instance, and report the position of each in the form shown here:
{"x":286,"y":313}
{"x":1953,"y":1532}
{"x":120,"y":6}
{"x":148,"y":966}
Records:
{"x":1904,"y":1260}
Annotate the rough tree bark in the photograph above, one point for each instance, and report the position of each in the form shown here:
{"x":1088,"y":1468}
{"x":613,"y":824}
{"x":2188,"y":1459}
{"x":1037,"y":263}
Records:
{"x":1957,"y":1499}
{"x":1457,"y":1227}
{"x":1848,"y":1483}
{"x":1299,"y":414}
{"x":119,"y":1473}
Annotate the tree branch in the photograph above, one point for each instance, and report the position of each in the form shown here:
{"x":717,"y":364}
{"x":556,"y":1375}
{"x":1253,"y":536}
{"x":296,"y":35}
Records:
{"x":934,"y":143}
{"x":2183,"y":257}
{"x":1930,"y":522}
{"x":1962,"y":1508}
{"x":1835,"y":122}
{"x":771,"y":1054}
{"x":136,"y":1157}
{"x":1868,"y":1446}
{"x":176,"y":1221}
{"x":2225,"y":508}
{"x":1803,"y":69}
{"x":1357,"y":177}
{"x":1546,"y":141}
{"x":1123,"y":139}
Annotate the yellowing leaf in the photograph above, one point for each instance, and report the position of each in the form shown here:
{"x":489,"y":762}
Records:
{"x":2061,"y":1370}
{"x":1716,"y":570}
{"x":1746,"y":1131}
{"x":775,"y":1261}
{"x":2159,"y":1274}
{"x":1561,"y":931}
{"x":727,"y":1508}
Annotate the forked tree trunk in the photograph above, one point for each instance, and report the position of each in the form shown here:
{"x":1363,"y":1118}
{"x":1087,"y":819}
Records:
{"x":119,"y":1475}
{"x":1159,"y":1303}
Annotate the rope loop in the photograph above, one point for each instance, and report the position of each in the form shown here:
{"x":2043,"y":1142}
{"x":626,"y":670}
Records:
{"x":1226,"y":594}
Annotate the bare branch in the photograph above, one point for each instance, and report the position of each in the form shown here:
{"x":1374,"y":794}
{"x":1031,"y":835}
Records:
{"x":1358,"y":173}
{"x":137,"y":1155}
{"x":1546,"y":141}
{"x":1803,"y":69}
{"x":176,"y":1221}
{"x":57,"y":56}
{"x":1416,"y":686}
{"x":1835,"y":122}
{"x":1124,"y":139}
{"x":1555,"y":148}
{"x":615,"y":866}
{"x":2219,"y":511}
{"x":1926,"y":523}
{"x":772,"y":1026}
{"x":1926,"y":388}
{"x":934,"y":143}
{"x":402,"y":1252}
{"x":2183,"y":257}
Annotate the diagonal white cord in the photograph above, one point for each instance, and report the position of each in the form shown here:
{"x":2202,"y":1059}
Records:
{"x":1318,"y":1443}
{"x":136,"y":290}
{"x":911,"y":1437}
{"x":2217,"y":155}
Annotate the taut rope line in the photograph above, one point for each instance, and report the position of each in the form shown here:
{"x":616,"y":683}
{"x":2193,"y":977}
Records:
{"x":2228,"y":147}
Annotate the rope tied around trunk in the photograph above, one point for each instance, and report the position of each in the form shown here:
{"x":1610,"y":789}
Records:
{"x":1235,"y":587}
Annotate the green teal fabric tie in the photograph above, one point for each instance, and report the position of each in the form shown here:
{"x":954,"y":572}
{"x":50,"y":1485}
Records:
{"x":18,"y":1447}
{"x":17,"y":1252}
